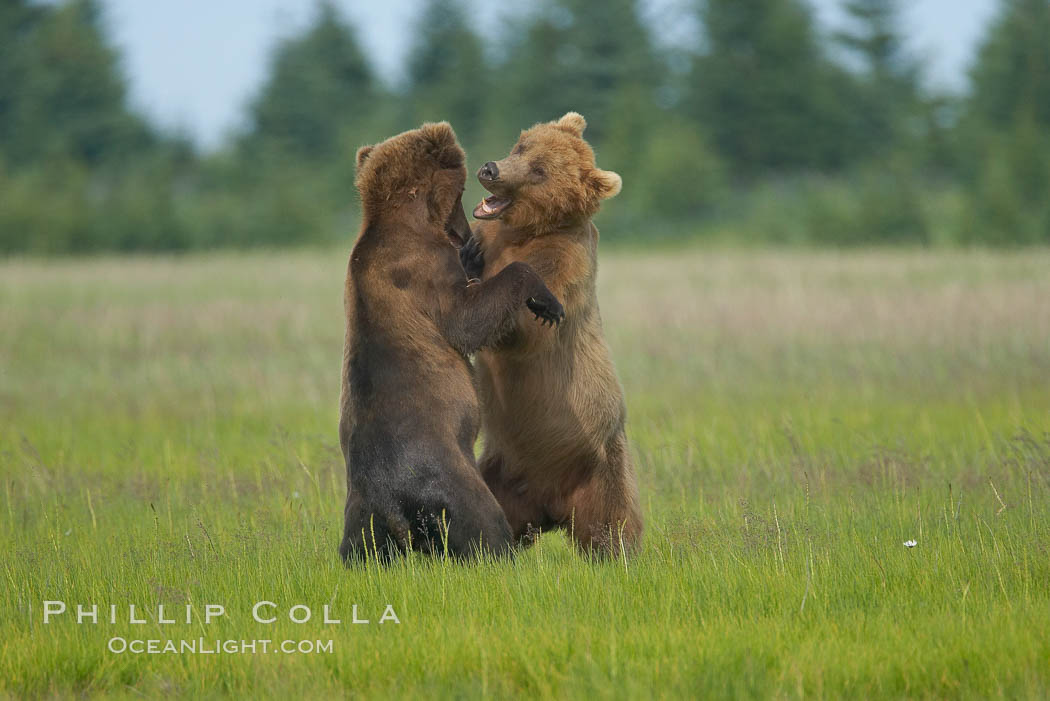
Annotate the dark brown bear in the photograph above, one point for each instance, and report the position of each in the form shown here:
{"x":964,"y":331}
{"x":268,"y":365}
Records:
{"x":555,"y":453}
{"x":409,"y":411}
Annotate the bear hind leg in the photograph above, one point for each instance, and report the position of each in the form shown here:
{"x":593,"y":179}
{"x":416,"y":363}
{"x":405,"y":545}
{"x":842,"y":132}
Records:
{"x":526,"y":517}
{"x":605,"y":516}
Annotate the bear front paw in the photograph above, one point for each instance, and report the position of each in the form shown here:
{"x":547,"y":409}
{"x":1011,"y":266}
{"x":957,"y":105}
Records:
{"x":472,"y":258}
{"x":547,"y":309}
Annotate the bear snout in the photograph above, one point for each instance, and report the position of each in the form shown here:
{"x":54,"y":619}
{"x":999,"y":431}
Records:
{"x":488,"y":172}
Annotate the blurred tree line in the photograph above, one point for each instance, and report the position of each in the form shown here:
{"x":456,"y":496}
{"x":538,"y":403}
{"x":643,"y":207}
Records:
{"x":766,"y":129}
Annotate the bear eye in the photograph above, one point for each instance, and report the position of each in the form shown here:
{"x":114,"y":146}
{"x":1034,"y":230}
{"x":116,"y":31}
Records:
{"x":538,"y":170}
{"x":518,"y":149}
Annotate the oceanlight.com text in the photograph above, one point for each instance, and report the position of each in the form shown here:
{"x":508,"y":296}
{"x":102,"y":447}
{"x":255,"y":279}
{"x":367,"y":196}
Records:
{"x":206,"y":646}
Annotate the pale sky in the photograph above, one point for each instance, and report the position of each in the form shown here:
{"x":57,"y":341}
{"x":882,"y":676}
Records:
{"x":194,"y":64}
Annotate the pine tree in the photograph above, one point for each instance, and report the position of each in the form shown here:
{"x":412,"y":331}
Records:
{"x":447,"y":73}
{"x":890,"y":86}
{"x":582,"y":56}
{"x":18,"y":23}
{"x":320,"y":84}
{"x":1008,"y":121}
{"x":1011,"y":77}
{"x":62,"y":92}
{"x":763,"y":87}
{"x":876,"y":39}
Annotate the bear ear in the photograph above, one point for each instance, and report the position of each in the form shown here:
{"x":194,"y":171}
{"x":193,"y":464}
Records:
{"x":574,"y":122}
{"x":362,"y":155}
{"x":444,"y":146}
{"x":438,"y":134}
{"x":607,"y":183}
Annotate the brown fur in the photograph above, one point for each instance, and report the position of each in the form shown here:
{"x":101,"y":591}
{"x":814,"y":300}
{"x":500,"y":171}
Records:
{"x":409,"y":411}
{"x":556,"y":452}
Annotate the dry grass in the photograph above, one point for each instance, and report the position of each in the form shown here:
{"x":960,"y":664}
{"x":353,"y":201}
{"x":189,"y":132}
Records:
{"x":898,"y":299}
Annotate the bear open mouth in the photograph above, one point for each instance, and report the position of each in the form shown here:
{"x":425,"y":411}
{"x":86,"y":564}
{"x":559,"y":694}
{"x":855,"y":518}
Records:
{"x":491,"y":207}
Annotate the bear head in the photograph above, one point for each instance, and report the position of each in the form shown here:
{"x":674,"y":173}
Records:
{"x":548,"y":180}
{"x":418,"y":177}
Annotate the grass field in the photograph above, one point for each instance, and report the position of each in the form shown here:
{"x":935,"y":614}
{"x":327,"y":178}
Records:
{"x":168,"y":436}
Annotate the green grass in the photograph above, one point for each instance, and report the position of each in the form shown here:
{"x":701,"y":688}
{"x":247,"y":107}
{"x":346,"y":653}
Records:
{"x":168,"y":436}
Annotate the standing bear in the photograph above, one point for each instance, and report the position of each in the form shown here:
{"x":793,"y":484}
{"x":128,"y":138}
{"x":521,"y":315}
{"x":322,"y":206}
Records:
{"x":553,"y":414}
{"x":409,"y":412}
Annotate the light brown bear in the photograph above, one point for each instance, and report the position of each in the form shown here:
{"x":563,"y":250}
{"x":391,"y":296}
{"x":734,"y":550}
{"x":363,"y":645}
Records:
{"x":555,"y":453}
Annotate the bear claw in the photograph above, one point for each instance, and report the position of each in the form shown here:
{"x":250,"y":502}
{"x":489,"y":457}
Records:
{"x":548,"y":313}
{"x":472,"y":258}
